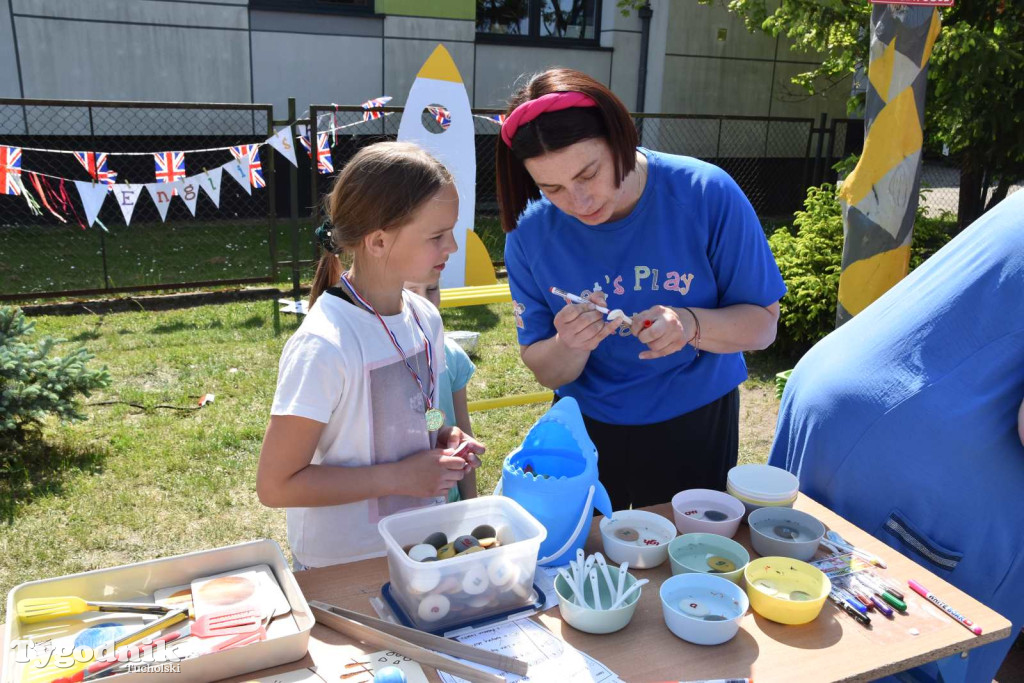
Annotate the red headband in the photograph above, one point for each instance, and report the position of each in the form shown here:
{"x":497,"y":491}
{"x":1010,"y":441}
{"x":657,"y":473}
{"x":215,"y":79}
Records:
{"x":528,"y":111}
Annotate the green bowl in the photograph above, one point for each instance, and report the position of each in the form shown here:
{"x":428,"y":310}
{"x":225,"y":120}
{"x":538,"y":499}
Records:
{"x":708,"y":554}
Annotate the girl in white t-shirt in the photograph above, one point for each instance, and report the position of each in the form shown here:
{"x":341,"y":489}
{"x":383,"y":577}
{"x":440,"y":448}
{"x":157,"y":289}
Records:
{"x":355,"y":430}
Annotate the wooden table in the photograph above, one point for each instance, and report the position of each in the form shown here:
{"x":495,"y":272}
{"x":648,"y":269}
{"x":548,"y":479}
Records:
{"x":833,"y":647}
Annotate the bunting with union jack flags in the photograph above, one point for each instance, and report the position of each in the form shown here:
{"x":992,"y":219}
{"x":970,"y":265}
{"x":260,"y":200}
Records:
{"x":442,"y":116}
{"x":252,"y":153}
{"x":500,"y":118}
{"x":372,"y":105}
{"x":170,"y":166}
{"x":324,"y":162}
{"x":95,"y":164}
{"x":10,"y":169}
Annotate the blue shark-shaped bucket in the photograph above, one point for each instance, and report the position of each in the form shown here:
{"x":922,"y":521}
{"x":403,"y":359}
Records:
{"x":553,"y":475}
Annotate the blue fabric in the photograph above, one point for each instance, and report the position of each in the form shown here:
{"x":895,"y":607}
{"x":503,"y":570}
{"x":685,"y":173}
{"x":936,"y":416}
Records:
{"x":692,"y":240}
{"x":904,"y":420}
{"x":458,"y":369}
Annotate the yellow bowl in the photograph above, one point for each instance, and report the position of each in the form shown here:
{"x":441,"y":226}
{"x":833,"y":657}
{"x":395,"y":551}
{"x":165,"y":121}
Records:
{"x":785,"y":590}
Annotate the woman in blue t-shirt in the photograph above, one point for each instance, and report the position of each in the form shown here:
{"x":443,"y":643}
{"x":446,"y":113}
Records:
{"x":670,"y":241}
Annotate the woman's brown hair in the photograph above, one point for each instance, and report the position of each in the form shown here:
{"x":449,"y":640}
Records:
{"x":555,"y":130}
{"x":380,"y":188}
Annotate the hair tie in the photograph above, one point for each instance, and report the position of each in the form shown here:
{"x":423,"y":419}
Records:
{"x":528,"y":111}
{"x":323,"y":236}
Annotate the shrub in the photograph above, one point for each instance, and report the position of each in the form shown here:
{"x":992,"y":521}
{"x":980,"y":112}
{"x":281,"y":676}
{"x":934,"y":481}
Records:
{"x":34,"y":383}
{"x":810,"y":259}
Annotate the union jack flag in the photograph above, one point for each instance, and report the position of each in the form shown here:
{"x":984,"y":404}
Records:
{"x":442,"y":116}
{"x":95,"y":164}
{"x":304,"y":141}
{"x":323,"y":154}
{"x":500,"y":118}
{"x":371,"y":105}
{"x":170,"y":166}
{"x":10,"y":169}
{"x":252,"y":152}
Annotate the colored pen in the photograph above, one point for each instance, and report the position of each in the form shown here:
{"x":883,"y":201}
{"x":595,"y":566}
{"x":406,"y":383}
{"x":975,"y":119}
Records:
{"x":884,"y":592}
{"x":577,"y":299}
{"x":848,"y":608}
{"x":927,"y":595}
{"x":876,"y":601}
{"x":580,"y":300}
{"x":852,"y":601}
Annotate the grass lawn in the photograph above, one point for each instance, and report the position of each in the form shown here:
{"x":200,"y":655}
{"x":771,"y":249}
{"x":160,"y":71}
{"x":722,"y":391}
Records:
{"x":129,"y":485}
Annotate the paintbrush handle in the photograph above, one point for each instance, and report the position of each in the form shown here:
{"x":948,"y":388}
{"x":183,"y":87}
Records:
{"x":332,"y":616}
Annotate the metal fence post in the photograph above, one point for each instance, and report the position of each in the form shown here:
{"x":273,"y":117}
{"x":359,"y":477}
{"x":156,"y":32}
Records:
{"x":271,"y":200}
{"x":818,"y":175}
{"x":294,"y":198}
{"x":103,"y":239}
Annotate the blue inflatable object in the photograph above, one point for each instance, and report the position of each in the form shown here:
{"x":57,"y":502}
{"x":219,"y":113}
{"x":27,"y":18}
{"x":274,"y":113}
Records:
{"x":389,"y":674}
{"x":553,"y":475}
{"x":904,"y":421}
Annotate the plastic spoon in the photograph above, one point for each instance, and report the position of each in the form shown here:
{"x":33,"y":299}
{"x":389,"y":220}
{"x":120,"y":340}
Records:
{"x":625,"y":596}
{"x":607,"y":574}
{"x":623,"y":569}
{"x":595,"y":589}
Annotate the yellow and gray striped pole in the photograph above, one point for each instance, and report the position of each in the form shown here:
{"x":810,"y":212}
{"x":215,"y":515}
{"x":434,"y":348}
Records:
{"x":879,"y":198}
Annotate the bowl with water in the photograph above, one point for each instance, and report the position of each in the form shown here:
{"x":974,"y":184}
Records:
{"x":707,"y":511}
{"x":708,"y":554}
{"x":785,"y":532}
{"x":785,"y":590}
{"x":702,"y":608}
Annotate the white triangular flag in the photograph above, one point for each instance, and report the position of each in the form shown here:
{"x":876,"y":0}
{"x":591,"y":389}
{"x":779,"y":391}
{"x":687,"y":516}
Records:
{"x":210,"y":182}
{"x":282,"y":142}
{"x":92,"y":195}
{"x":239,"y":170}
{"x":188,"y":190}
{"x":162,"y":194}
{"x":126,"y":197}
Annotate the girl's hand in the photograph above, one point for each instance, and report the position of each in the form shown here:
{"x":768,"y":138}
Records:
{"x":668,"y":332}
{"x":430,"y":473}
{"x":582,"y":328}
{"x":461,"y":445}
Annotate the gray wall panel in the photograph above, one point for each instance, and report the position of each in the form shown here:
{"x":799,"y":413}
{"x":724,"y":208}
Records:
{"x":347,"y":69}
{"x":136,"y":62}
{"x":9,"y":86}
{"x":138,"y":11}
{"x":500,"y":67}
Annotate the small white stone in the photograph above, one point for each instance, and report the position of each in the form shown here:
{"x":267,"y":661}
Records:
{"x":914,"y":632}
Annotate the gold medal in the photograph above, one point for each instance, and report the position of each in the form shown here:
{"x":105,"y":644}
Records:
{"x":435,"y":419}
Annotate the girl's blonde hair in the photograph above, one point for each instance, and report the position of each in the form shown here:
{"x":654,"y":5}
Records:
{"x":380,"y":188}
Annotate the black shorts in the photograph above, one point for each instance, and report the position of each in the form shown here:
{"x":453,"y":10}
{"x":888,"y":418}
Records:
{"x":643,"y":465}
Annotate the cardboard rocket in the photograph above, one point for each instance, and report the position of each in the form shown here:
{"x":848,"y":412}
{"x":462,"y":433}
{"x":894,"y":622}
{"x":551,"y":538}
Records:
{"x":439,"y":83}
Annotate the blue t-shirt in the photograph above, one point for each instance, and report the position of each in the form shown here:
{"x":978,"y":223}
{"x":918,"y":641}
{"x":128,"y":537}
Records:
{"x":904,"y":420}
{"x":692,"y":240}
{"x":458,"y":370}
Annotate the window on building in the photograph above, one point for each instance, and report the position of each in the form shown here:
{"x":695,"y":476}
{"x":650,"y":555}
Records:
{"x":327,"y":6}
{"x":543,"y":21}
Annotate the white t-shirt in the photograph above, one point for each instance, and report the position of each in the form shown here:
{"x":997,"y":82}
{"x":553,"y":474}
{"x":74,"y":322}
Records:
{"x":341,"y":368}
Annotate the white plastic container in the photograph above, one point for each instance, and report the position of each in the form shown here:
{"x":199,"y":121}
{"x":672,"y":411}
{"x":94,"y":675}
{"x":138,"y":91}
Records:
{"x":138,"y":581}
{"x":758,"y":486}
{"x":467,"y":587}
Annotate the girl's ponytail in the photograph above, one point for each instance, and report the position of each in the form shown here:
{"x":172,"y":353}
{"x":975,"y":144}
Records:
{"x":328,"y":272}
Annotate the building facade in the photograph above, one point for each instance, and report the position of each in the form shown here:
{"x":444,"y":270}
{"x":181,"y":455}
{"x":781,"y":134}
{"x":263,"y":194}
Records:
{"x":701,"y":60}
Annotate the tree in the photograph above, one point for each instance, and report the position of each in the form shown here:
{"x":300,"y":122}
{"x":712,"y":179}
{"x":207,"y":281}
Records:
{"x":975,"y":102}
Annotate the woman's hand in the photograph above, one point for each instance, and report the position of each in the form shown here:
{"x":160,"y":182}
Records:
{"x":430,"y":473}
{"x":667,"y":332}
{"x":581,"y":328}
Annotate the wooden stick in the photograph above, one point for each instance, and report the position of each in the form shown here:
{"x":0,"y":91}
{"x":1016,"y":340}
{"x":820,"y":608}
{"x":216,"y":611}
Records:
{"x":342,"y":621}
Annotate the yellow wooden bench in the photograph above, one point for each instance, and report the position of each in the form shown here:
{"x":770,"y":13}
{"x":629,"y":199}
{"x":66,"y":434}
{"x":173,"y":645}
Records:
{"x":475,"y":296}
{"x":506,"y":401}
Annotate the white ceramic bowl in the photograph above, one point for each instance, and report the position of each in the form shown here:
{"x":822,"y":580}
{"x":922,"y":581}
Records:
{"x":638,"y":537}
{"x":704,"y":511}
{"x":703,"y":609}
{"x":467,"y":340}
{"x":593,"y":620}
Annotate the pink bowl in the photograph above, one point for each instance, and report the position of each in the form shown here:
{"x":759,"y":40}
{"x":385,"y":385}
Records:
{"x":704,"y":511}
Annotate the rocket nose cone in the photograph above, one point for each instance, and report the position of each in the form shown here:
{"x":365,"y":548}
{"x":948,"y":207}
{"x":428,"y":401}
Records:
{"x":440,"y":67}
